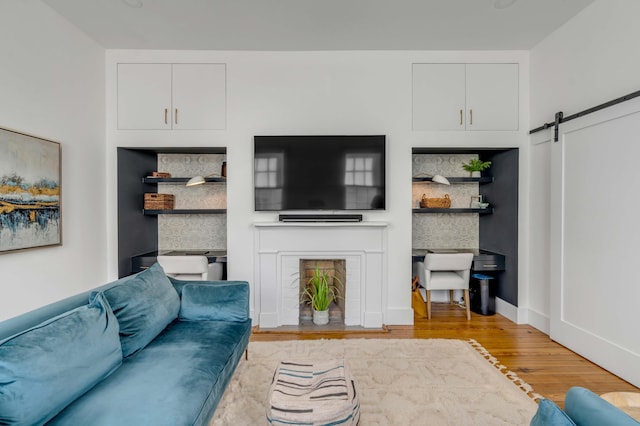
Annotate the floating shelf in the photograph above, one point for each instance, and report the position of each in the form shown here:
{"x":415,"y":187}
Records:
{"x":184,"y":211}
{"x":180,"y":179}
{"x":483,"y":179}
{"x":488,"y":210}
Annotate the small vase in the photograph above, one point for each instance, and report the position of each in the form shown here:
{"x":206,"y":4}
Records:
{"x":475,"y":174}
{"x":321,"y":317}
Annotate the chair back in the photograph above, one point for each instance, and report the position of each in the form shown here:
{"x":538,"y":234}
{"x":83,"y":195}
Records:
{"x":448,"y":261}
{"x":447,"y":271}
{"x":192,"y":268}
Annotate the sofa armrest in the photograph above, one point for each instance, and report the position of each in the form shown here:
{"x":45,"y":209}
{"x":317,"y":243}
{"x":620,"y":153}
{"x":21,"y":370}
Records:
{"x":215,"y":300}
{"x":586,"y":408}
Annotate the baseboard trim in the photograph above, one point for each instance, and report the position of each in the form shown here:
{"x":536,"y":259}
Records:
{"x":399,"y":316}
{"x":268,"y":319}
{"x":511,"y":312}
{"x":372,"y":320}
{"x":539,"y":321}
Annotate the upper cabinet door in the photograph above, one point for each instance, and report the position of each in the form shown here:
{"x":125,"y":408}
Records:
{"x":492,"y":96}
{"x":465,"y":97}
{"x":438,"y":96}
{"x":199,"y":96}
{"x":144,"y":96}
{"x":171,"y":96}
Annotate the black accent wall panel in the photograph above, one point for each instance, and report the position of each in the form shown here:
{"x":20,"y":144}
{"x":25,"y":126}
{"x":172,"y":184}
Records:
{"x":137,"y":233}
{"x":499,"y":231}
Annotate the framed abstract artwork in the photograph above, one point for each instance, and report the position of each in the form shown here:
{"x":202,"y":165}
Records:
{"x":30,"y":192}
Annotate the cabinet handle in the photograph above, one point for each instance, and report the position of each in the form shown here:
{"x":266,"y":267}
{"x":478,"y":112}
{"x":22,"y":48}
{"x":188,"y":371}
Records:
{"x":166,"y":111}
{"x":471,"y":117}
{"x":461,"y":117}
{"x":176,"y":116}
{"x":490,"y":266}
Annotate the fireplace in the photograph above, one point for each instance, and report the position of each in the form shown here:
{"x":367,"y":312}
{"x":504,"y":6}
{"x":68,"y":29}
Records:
{"x":336,"y":270}
{"x":279,"y":249}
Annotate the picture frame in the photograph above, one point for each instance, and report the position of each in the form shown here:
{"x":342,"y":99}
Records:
{"x":30,"y":192}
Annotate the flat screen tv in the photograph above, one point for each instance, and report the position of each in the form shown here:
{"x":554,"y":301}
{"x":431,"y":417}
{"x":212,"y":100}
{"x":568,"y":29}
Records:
{"x":300,"y":173}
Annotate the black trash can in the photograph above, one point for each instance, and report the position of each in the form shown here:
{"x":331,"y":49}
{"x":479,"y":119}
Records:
{"x":482,"y":292}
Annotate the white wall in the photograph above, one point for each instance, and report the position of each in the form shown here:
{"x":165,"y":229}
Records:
{"x":592,"y":59}
{"x":272,"y":93}
{"x":52,"y":85}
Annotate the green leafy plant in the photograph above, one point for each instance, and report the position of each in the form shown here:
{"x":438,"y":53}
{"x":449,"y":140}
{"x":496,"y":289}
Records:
{"x":321,"y":290}
{"x":476,"y":165}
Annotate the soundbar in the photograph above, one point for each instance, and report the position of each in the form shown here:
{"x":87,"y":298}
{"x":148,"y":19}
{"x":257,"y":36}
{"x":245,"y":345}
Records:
{"x":320,"y":218}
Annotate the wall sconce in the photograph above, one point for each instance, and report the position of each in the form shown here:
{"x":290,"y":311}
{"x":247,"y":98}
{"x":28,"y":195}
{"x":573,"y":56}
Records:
{"x":440,"y":179}
{"x":199,"y":180}
{"x":434,"y":178}
{"x":196,"y":180}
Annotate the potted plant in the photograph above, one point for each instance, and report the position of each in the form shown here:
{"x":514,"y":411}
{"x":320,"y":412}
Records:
{"x":320,"y":292}
{"x":475,"y":166}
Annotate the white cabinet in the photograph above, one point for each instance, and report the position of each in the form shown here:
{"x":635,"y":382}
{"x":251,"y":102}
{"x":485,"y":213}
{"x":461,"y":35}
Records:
{"x":171,"y":96}
{"x":199,"y":96}
{"x":492,"y":96}
{"x":144,"y":96}
{"x":465,"y":97}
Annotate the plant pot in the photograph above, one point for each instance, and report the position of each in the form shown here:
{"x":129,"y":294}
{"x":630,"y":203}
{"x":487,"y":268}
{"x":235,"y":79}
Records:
{"x":476,"y":174}
{"x":321,"y":317}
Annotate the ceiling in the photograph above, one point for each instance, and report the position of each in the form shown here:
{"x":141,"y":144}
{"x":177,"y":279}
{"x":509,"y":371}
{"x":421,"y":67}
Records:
{"x":318,"y":24}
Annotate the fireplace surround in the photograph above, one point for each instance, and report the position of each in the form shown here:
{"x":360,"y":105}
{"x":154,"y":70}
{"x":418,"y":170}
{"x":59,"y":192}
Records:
{"x":280,"y":246}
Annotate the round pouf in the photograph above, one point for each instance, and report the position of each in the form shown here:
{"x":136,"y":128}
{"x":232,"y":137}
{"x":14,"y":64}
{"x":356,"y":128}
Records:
{"x":318,"y":393}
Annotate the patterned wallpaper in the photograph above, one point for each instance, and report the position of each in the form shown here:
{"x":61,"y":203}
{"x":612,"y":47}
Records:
{"x":180,"y":232}
{"x":444,"y":230}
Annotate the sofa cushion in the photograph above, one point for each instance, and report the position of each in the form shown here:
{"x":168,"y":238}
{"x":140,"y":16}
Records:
{"x":549,"y":414}
{"x":178,"y":379}
{"x":215,"y":301}
{"x":587,"y":409}
{"x":45,"y":368}
{"x":144,"y":306}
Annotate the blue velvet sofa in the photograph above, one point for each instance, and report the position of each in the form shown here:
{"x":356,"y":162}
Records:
{"x":582,"y":408}
{"x":143,"y":350}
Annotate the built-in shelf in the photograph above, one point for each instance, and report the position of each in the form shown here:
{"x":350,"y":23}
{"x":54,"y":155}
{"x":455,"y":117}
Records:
{"x":483,"y":179}
{"x":184,"y":211}
{"x":457,"y":210}
{"x":180,"y":179}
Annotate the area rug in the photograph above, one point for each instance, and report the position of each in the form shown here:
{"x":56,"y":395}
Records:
{"x":401,"y":382}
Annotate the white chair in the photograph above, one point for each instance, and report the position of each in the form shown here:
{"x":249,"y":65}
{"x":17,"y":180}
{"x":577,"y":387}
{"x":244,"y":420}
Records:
{"x":215,"y":271}
{"x":447,"y":271}
{"x":192,"y":268}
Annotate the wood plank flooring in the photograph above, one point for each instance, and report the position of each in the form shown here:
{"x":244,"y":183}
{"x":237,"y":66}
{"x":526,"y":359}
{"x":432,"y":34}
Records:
{"x":551,"y":369}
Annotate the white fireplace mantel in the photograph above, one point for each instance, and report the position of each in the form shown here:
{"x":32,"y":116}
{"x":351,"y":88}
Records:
{"x":279,"y":246}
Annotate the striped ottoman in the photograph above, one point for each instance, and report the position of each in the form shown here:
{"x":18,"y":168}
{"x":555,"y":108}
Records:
{"x":315,"y":394}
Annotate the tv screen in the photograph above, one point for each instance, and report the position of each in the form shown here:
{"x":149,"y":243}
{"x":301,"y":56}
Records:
{"x":319,"y":173}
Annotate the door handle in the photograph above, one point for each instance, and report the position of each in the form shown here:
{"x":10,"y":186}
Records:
{"x":471,"y":117}
{"x":176,"y":116}
{"x":166,"y":111}
{"x":461,"y":117}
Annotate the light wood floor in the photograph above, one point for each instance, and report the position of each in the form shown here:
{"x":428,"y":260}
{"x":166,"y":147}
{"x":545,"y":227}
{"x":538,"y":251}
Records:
{"x":548,"y":367}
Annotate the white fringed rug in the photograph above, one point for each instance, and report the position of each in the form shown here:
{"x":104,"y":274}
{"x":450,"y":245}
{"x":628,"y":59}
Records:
{"x":401,"y":382}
